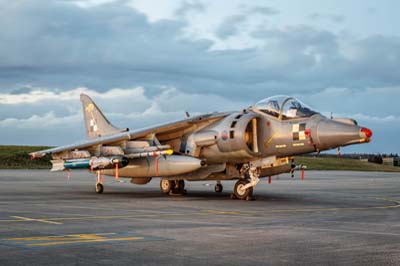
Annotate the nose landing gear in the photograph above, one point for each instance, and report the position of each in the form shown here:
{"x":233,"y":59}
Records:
{"x":244,"y":187}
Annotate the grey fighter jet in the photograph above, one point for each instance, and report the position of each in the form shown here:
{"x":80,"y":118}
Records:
{"x":259,"y":141}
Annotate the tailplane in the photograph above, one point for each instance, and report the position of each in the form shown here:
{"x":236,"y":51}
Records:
{"x":96,"y":124}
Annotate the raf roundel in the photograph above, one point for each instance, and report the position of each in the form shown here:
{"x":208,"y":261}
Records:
{"x":224,"y":135}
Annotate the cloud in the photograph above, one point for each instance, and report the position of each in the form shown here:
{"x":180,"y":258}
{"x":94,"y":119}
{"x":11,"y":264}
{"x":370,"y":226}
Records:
{"x":45,"y":121}
{"x":60,"y":113}
{"x":113,"y":45}
{"x":330,"y":17}
{"x":187,"y":7}
{"x":38,"y":95}
{"x":231,"y":25}
{"x":265,"y":10}
{"x":130,"y":64}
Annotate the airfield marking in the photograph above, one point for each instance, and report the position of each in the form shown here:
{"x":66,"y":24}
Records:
{"x":56,"y":220}
{"x":70,"y":239}
{"x":21,"y":218}
{"x":223,"y":212}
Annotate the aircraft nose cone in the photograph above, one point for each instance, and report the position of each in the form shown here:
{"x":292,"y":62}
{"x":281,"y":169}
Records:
{"x":365,"y":133}
{"x":332,"y":134}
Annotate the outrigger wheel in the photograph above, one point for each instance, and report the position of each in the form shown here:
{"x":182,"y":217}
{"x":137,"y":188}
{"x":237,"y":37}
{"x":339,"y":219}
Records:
{"x":99,"y":188}
{"x":166,"y":185}
{"x":242,"y":193}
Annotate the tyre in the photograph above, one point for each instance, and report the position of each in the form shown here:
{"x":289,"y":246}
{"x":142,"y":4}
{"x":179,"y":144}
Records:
{"x":178,"y":187}
{"x":166,"y":185}
{"x":241,"y":193}
{"x":218,"y":188}
{"x":99,"y":188}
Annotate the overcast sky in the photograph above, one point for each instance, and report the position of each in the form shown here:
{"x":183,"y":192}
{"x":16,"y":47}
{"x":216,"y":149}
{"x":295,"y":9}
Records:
{"x":147,"y":62}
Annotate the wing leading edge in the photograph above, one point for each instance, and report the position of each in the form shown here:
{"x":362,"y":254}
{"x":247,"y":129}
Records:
{"x":133,"y":134}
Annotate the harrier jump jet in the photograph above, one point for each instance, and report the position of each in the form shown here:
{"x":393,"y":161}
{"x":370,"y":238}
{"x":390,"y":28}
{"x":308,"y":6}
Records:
{"x":256,"y":142}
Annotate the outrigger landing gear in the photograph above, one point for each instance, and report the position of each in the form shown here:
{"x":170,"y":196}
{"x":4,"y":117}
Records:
{"x":99,"y":185}
{"x":99,"y":188}
{"x":244,"y":187}
{"x":218,"y":187}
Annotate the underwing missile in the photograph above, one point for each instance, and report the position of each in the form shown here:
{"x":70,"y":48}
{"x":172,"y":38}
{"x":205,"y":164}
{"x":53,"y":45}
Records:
{"x":93,"y":163}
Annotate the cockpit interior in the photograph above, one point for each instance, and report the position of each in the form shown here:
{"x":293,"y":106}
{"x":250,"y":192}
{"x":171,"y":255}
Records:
{"x":284,"y":107}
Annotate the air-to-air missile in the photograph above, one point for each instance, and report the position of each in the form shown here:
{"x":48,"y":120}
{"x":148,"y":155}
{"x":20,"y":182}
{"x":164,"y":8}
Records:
{"x":143,"y":163}
{"x":92,"y":163}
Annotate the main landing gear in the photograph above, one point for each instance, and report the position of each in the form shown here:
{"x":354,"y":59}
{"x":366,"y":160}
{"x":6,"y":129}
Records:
{"x":173,"y":187}
{"x":218,"y":187}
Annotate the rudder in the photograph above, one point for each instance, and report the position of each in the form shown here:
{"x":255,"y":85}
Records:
{"x":96,"y":124}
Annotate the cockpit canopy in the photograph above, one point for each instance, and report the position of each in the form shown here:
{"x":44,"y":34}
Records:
{"x":284,"y":107}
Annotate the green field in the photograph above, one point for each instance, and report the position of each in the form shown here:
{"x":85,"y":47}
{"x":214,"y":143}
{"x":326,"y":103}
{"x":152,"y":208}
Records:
{"x":335,"y":163}
{"x":16,"y":157}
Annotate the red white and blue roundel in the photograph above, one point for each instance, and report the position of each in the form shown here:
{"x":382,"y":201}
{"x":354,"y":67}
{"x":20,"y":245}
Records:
{"x":224,"y":135}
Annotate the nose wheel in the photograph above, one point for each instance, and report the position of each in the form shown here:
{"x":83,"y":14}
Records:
{"x":242,"y":190}
{"x":244,"y":187}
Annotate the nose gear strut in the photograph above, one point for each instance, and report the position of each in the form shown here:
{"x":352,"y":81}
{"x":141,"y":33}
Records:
{"x":250,"y":178}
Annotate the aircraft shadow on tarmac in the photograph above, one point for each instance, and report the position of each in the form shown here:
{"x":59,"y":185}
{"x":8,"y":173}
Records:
{"x":287,"y":200}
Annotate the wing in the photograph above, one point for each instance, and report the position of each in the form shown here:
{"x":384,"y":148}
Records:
{"x":163,"y":132}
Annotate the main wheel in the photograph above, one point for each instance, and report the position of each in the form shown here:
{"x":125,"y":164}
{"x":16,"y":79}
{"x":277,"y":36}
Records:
{"x":178,"y":187}
{"x":99,"y":188}
{"x":181,"y":184}
{"x":218,"y":188}
{"x":166,"y":185}
{"x":240,"y":192}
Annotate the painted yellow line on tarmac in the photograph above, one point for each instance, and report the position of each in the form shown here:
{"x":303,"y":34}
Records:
{"x":35,"y":220}
{"x":47,"y":244}
{"x":223,"y":212}
{"x":48,"y":241}
{"x":52,"y":238}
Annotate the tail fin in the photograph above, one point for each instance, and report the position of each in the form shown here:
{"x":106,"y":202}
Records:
{"x":96,"y":124}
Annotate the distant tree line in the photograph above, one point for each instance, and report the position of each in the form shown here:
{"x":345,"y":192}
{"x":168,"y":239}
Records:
{"x":370,"y":157}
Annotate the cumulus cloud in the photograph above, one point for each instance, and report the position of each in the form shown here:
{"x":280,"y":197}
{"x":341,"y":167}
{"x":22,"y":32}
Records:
{"x":129,"y":64}
{"x":232,"y":25}
{"x":114,"y":45}
{"x":61,"y":112}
